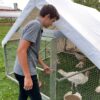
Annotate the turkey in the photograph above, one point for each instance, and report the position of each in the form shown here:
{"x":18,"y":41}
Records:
{"x":97,"y":89}
{"x":81,"y":59}
{"x":80,"y":64}
{"x":75,"y":79}
{"x":79,"y":56}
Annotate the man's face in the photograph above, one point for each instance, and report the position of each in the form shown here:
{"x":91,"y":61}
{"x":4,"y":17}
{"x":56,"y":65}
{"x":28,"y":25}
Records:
{"x":48,"y":22}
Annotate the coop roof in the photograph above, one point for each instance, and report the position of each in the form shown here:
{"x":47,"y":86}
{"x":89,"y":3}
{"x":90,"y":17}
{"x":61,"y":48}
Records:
{"x":79,"y":23}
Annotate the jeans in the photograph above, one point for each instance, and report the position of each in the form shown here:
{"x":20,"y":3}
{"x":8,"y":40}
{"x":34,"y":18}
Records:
{"x":33,"y":94}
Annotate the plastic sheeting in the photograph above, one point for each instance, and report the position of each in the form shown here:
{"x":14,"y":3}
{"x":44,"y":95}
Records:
{"x":79,"y":23}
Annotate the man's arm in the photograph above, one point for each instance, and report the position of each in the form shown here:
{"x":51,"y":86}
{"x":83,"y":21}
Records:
{"x":40,"y":61}
{"x":46,"y":68}
{"x":23,"y":60}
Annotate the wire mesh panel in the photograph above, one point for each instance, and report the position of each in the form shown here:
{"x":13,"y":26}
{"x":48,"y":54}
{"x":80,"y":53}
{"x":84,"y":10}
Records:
{"x":10,"y":55}
{"x":45,"y":80}
{"x":71,"y":60}
{"x":45,"y":53}
{"x":68,"y":62}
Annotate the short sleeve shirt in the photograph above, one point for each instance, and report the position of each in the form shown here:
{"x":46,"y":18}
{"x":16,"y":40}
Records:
{"x":32,"y":32}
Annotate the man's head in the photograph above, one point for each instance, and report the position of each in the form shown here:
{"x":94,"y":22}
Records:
{"x":49,"y":14}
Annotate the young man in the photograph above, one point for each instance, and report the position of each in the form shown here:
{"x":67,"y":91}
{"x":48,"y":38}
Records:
{"x":28,"y":54}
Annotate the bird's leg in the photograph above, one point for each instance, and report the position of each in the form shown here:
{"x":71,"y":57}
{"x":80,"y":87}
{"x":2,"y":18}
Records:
{"x":73,"y":88}
{"x":76,"y":89}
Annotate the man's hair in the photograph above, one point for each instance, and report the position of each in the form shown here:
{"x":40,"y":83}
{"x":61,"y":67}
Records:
{"x":51,"y":10}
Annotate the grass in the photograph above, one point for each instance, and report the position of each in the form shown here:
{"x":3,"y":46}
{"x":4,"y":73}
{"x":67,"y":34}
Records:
{"x":8,"y":89}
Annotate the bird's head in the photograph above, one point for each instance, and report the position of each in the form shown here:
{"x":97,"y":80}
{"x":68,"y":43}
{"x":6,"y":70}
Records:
{"x":87,"y":73}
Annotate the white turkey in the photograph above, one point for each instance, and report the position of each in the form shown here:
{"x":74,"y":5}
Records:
{"x":80,"y":64}
{"x":81,"y":59}
{"x":76,"y":79}
{"x":79,"y":56}
{"x":97,"y":89}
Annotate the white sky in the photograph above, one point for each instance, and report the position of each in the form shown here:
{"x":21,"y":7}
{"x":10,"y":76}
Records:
{"x":9,"y":3}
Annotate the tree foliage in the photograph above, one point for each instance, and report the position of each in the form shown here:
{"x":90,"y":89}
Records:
{"x":90,"y":3}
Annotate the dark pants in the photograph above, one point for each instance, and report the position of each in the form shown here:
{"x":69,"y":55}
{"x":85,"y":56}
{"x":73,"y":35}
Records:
{"x":34,"y":93}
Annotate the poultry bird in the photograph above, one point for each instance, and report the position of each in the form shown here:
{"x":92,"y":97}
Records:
{"x":80,"y":58}
{"x":77,"y":79}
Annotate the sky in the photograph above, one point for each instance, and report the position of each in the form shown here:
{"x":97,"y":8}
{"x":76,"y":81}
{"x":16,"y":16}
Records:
{"x":9,"y":3}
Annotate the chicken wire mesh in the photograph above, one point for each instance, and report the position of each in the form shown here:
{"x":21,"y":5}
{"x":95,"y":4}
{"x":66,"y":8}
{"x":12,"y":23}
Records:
{"x":70,"y":59}
{"x":64,"y":59}
{"x":10,"y":56}
{"x":86,"y":90}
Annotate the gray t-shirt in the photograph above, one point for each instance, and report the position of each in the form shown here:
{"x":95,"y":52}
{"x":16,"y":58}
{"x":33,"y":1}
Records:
{"x":32,"y":32}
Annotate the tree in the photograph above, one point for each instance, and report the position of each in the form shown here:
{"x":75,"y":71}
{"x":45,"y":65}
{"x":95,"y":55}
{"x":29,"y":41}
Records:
{"x":89,"y":3}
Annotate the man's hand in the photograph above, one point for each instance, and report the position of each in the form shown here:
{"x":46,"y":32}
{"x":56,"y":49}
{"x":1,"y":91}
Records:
{"x":47,"y":69}
{"x":28,"y":84}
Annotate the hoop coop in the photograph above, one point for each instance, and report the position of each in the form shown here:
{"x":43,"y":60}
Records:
{"x":74,"y":76}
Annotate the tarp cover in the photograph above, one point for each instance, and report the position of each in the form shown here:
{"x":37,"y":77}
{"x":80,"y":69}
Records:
{"x":79,"y":23}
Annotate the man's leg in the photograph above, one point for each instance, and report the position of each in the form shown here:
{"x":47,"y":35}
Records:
{"x":34,"y":93}
{"x":22,"y":93}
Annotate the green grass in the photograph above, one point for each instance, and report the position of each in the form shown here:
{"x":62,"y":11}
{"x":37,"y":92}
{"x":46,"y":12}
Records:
{"x":8,"y":89}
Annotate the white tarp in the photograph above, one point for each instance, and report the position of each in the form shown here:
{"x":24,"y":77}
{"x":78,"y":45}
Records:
{"x":79,"y":23}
